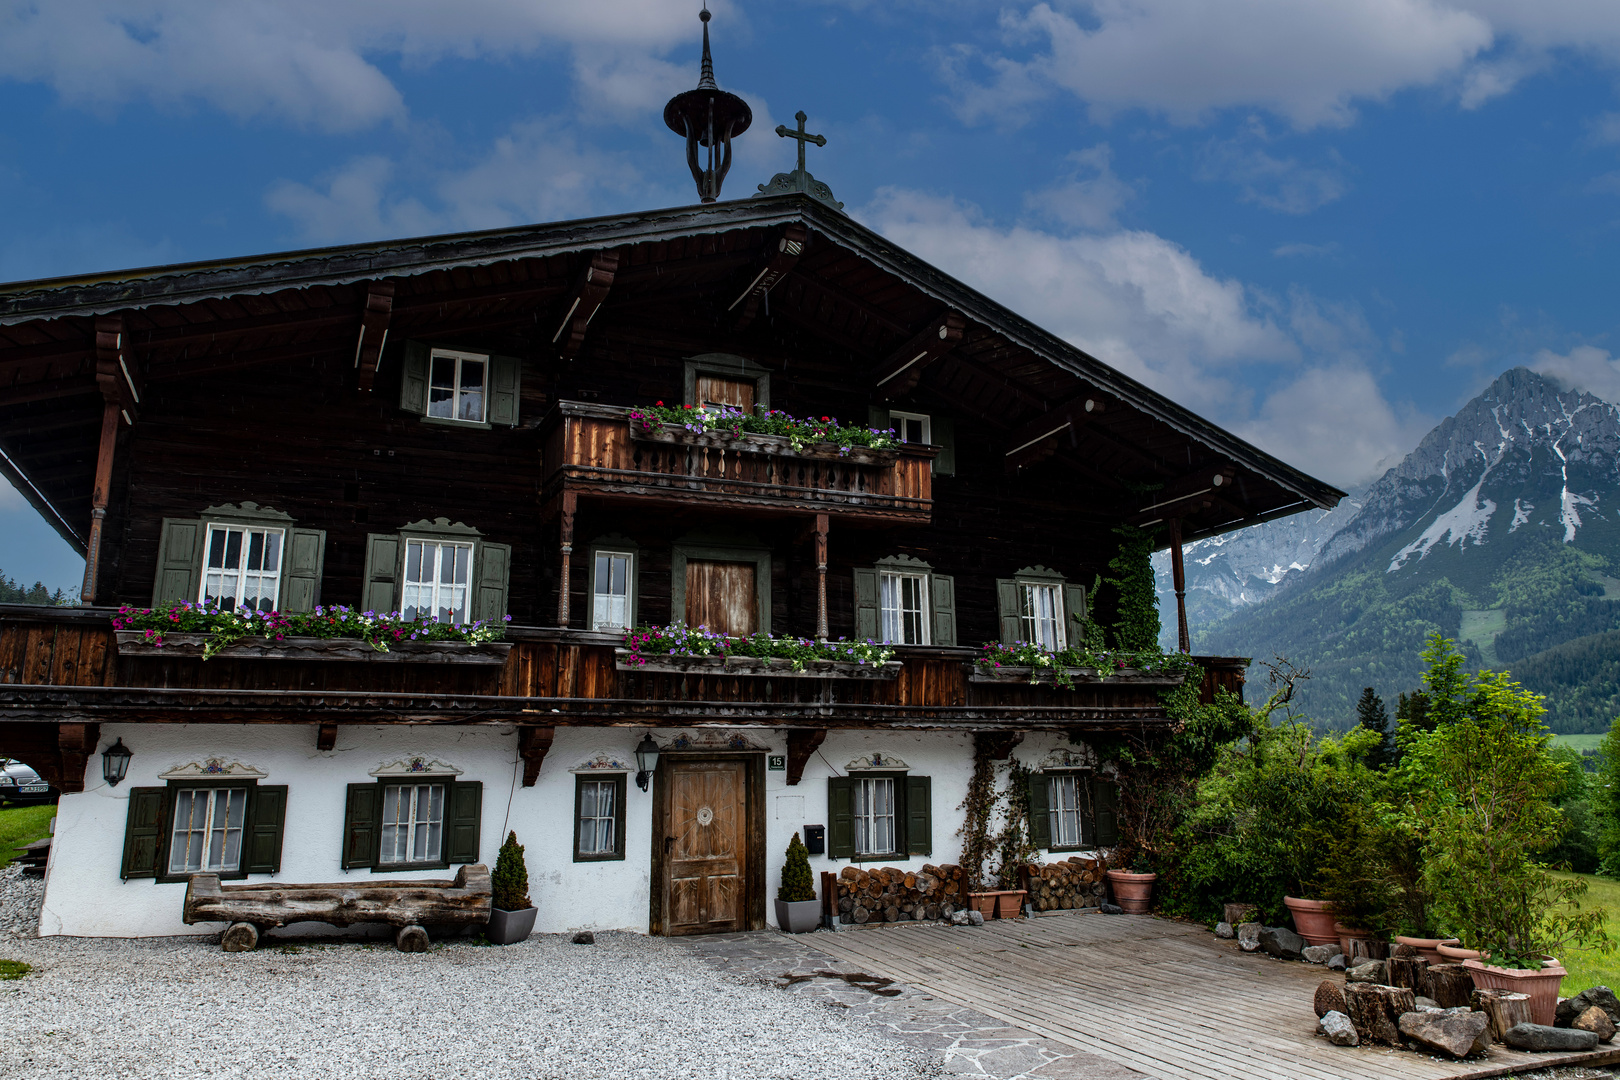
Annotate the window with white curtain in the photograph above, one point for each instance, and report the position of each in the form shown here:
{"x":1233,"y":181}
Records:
{"x":412,"y":824}
{"x":457,"y":386}
{"x":911,"y":428}
{"x":903,"y":601}
{"x":1063,"y":794}
{"x":873,"y":804}
{"x":1042,"y":619}
{"x":438,"y":576}
{"x":207,"y":830}
{"x":610,"y":604}
{"x":242,"y":567}
{"x":597,"y":814}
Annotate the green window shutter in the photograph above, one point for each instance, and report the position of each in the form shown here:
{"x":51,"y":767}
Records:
{"x":301,"y":585}
{"x":1010,"y":609}
{"x":866,"y":605}
{"x":1074,"y":601}
{"x":466,"y":808}
{"x":413,"y":381}
{"x":379,"y":589}
{"x":1107,"y":812}
{"x":878,"y":418}
{"x":840,"y":818}
{"x":919,"y":815}
{"x":1040,"y":811}
{"x":143,"y":831}
{"x":943,"y":590}
{"x":494,"y":568}
{"x":268,"y":815}
{"x":942,"y":430}
{"x":619,"y":788}
{"x":505,"y":373}
{"x":179,"y":558}
{"x":360,"y":826}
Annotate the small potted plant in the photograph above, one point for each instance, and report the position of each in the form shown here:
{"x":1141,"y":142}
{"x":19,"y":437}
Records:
{"x":1133,"y":888}
{"x":797,"y":909}
{"x":511,"y":916}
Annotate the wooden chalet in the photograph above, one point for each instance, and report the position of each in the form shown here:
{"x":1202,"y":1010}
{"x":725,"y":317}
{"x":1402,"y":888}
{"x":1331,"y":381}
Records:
{"x":369,"y":409}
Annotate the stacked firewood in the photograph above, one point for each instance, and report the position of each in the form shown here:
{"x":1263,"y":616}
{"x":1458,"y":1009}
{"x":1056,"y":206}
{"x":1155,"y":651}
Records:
{"x":1064,"y":886}
{"x":891,"y":895}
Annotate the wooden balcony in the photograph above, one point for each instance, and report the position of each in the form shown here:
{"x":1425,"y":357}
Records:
{"x":593,"y":450}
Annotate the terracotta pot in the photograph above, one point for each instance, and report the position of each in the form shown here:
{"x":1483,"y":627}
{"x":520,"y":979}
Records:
{"x":1133,"y":892}
{"x":1428,"y":948}
{"x":1451,"y":951}
{"x":984,"y":903}
{"x":1010,"y":904}
{"x":1313,"y":920}
{"x":1541,"y":986}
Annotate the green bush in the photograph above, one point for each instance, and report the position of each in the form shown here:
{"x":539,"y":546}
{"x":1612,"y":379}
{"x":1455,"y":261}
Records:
{"x":510,"y":882}
{"x":797,"y":884}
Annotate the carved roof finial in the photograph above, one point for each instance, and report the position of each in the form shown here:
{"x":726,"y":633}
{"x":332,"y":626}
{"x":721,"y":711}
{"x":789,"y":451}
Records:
{"x":709,"y":118}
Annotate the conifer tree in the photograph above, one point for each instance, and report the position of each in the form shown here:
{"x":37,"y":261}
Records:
{"x":1371,"y":714}
{"x":510,"y":881}
{"x":797,"y":885}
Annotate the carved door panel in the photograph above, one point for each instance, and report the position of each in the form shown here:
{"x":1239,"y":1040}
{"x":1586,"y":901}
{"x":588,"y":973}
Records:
{"x":706,"y":853}
{"x":721,"y":596}
{"x":719,"y":390}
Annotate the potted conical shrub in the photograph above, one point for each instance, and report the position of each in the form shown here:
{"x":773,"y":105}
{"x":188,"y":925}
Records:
{"x":797,"y":909}
{"x":511,"y":916}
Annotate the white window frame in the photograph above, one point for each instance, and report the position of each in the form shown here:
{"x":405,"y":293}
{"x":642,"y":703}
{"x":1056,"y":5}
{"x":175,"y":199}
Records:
{"x":892,"y":618}
{"x":242,"y":573}
{"x":180,"y":853}
{"x":598,"y":595}
{"x":456,"y":389}
{"x":900,"y":429}
{"x":1030,"y":621}
{"x":602,"y":824}
{"x":417,"y":818}
{"x":1059,"y":811}
{"x":868,"y":820}
{"x":435,"y":586}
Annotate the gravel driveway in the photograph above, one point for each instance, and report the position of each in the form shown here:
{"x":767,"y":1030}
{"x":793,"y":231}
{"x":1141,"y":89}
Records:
{"x":629,"y":1006}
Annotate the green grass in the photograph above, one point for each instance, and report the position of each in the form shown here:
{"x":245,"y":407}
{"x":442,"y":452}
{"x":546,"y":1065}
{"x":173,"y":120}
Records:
{"x":23,"y":825}
{"x":1481,"y":627}
{"x":1579,"y":742}
{"x":1595,"y":967}
{"x":13,"y":969}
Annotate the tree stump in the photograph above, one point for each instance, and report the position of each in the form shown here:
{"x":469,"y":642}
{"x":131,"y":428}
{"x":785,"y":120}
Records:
{"x":1449,"y":985}
{"x":240,"y":937}
{"x":1407,"y":972}
{"x":411,"y":939}
{"x":1363,"y":949}
{"x":1376,"y":1010}
{"x":1503,"y":1008}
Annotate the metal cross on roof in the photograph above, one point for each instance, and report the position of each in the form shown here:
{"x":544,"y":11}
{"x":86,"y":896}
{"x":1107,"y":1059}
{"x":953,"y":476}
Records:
{"x":788,"y":133}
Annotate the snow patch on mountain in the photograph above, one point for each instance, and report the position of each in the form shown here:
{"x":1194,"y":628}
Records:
{"x":1468,"y":520}
{"x":1521,"y":514}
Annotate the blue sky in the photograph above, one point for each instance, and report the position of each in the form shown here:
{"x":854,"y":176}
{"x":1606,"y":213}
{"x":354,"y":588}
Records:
{"x":1322,"y":224}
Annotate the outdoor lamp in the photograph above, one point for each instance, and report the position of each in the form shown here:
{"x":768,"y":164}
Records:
{"x":646,"y":760}
{"x":115,"y":762}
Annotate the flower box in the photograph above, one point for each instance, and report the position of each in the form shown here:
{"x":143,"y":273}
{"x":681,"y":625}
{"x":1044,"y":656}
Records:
{"x":749,"y":442}
{"x":999,"y":903}
{"x":753,"y":666}
{"x":1011,"y":673}
{"x":135,"y":643}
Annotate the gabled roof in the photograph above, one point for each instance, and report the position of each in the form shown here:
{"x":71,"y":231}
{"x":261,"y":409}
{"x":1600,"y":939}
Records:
{"x":853,"y":288}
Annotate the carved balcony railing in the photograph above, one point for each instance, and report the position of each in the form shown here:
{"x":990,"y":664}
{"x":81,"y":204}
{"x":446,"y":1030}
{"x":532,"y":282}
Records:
{"x":595,"y":450}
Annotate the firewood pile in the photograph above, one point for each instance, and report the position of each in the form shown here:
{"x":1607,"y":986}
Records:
{"x":890,"y":895}
{"x":1064,"y":886}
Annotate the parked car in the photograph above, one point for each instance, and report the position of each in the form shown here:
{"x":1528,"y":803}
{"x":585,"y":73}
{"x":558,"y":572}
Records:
{"x":19,"y":783}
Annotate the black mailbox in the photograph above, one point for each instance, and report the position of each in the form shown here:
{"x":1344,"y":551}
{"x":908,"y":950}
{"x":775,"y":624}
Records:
{"x":815,"y":838}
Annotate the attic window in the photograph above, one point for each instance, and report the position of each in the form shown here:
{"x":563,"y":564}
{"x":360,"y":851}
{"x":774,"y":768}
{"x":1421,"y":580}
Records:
{"x":457,"y":386}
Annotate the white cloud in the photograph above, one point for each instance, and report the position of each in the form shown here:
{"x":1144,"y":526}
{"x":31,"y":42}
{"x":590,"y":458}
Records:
{"x":1605,"y":128}
{"x":1091,"y":194}
{"x":1281,"y":184}
{"x":1585,"y":366}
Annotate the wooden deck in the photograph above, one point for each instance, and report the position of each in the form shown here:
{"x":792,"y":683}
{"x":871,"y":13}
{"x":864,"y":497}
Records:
{"x":1164,"y":998}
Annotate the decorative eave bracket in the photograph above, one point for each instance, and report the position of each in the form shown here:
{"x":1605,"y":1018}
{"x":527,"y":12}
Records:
{"x":899,"y":374}
{"x":374,"y":320}
{"x":788,"y":249}
{"x":802,"y":742}
{"x":533,"y":744}
{"x":584,"y":301}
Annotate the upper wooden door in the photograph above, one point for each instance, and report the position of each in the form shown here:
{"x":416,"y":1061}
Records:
{"x":719,"y":390}
{"x":706,"y":847}
{"x":722,"y":596}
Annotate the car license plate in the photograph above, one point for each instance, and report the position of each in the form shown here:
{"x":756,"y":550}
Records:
{"x":34,"y":789}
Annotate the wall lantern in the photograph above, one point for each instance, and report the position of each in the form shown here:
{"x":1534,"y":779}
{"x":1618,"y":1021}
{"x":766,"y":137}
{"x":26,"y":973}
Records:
{"x":646,"y":760}
{"x":115,"y":762}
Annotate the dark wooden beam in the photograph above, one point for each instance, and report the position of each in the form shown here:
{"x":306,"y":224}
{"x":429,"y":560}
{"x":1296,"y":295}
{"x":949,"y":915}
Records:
{"x":325,"y":737}
{"x":533,"y":743}
{"x":48,"y":390}
{"x":898,"y":375}
{"x":374,"y":318}
{"x":119,"y":400}
{"x":802,"y":742}
{"x":587,"y":296}
{"x":788,"y":249}
{"x":838,"y":296}
{"x":221,"y":363}
{"x":75,"y":745}
{"x":1178,"y":577}
{"x":156,"y":337}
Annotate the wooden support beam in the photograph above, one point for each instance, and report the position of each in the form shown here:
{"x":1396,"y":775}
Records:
{"x":569,"y":504}
{"x":325,"y":737}
{"x":75,"y":745}
{"x":1178,"y":574}
{"x":788,"y":249}
{"x":533,"y":743}
{"x":119,"y":401}
{"x":802,"y":742}
{"x":374,"y":318}
{"x":583,"y":302}
{"x":1044,"y":435}
{"x":821,"y":577}
{"x":898,"y":375}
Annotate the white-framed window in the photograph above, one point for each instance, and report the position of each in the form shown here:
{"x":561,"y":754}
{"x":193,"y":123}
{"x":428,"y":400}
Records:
{"x":903,"y":603}
{"x":597,"y":814}
{"x":438,"y":576}
{"x":912,"y":428}
{"x":412,"y":824}
{"x":1042,"y":619}
{"x":458,"y":385}
{"x":610,"y":603}
{"x":1063,"y":794}
{"x":873,"y":803}
{"x":207,"y":830}
{"x":242,"y":567}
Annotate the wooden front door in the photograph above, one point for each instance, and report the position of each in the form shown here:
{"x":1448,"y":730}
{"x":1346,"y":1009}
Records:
{"x":706,"y":863}
{"x":722,"y":596}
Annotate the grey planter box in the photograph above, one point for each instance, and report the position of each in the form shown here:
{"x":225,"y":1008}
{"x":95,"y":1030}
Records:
{"x":798,"y":916}
{"x":506,"y":927}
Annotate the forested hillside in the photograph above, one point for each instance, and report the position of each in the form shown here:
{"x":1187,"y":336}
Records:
{"x":13,"y":593}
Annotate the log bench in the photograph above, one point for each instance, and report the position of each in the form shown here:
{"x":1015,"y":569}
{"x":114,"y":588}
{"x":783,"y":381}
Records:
{"x":409,"y":906}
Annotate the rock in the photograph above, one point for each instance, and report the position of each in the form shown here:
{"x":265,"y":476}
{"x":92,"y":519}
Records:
{"x":1224,"y":931}
{"x":1595,"y":1020}
{"x":1601,"y":996}
{"x":1112,"y":909}
{"x":1321,"y":954}
{"x":1376,"y":1010}
{"x":1460,"y":1033}
{"x":1370,"y":972}
{"x":1236,"y":913}
{"x":1281,"y":942}
{"x":1542,"y":1037}
{"x":1336,"y":963}
{"x":975,"y":918}
{"x":1328,"y":998}
{"x":1427,"y":1003}
{"x":1338,"y":1029}
{"x":584,"y":937}
{"x":1248,"y":936}
{"x":959,"y":918}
